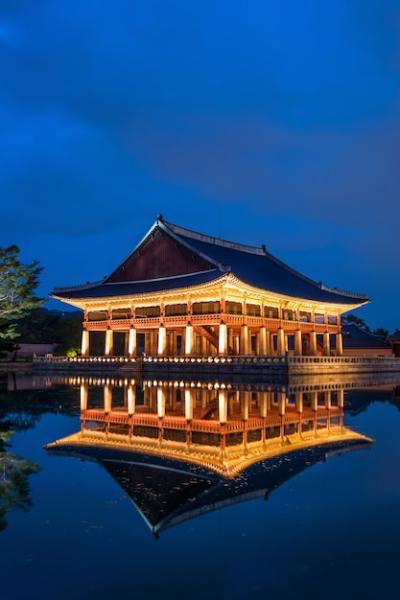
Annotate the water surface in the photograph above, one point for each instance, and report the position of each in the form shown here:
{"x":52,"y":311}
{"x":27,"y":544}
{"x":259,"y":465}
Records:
{"x":318,"y":522}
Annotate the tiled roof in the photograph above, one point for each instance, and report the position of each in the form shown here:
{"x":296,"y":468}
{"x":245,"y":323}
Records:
{"x":257,"y":267}
{"x":103,"y":290}
{"x":253,"y":265}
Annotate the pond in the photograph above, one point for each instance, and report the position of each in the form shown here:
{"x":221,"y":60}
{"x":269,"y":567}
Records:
{"x":199,"y":489}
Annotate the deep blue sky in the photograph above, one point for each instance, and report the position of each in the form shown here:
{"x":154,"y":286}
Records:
{"x":264,"y":122}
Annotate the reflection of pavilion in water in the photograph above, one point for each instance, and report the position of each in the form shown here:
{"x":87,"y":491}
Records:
{"x":180,"y":449}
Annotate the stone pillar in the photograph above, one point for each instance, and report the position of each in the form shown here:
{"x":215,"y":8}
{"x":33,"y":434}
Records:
{"x":189,"y":403}
{"x":222,"y":339}
{"x":85,"y":343}
{"x":131,"y":393}
{"x":339,"y":344}
{"x":244,"y":340}
{"x":160,"y":402}
{"x":298,"y":343}
{"x":189,"y":340}
{"x":281,"y":342}
{"x":84,"y":396}
{"x":132,"y":342}
{"x":223,"y":406}
{"x":107,"y":397}
{"x":313,"y":343}
{"x":162,"y":340}
{"x":109,"y":343}
{"x":327,"y":344}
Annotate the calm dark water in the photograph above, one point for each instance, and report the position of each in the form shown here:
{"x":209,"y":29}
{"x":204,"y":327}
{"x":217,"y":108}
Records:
{"x":332,"y":530}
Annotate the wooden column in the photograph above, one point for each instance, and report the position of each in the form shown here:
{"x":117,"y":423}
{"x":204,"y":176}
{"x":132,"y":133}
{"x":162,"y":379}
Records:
{"x":189,"y":340}
{"x":223,"y":406}
{"x":299,"y":402}
{"x":313,"y":343}
{"x":281,"y":342}
{"x":154,"y":343}
{"x":85,"y":343}
{"x":298,"y":343}
{"x":162,"y":340}
{"x":262,"y":338}
{"x":245,"y":405}
{"x":340,"y":398}
{"x":189,"y":404}
{"x":107,"y":398}
{"x":84,"y":396}
{"x":314,"y":401}
{"x":328,"y":399}
{"x":230,"y":338}
{"x":132,"y":342}
{"x":264,"y":404}
{"x":339,"y":344}
{"x":131,"y":393}
{"x":282,"y":403}
{"x":109,"y":343}
{"x":222,"y":339}
{"x":160,"y":402}
{"x":244,"y":340}
{"x":327,"y":344}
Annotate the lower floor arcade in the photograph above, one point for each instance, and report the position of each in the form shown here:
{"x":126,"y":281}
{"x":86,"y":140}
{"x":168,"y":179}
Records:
{"x":211,"y":340}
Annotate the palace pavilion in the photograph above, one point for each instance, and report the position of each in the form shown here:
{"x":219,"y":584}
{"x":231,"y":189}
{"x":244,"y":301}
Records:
{"x":180,"y":292}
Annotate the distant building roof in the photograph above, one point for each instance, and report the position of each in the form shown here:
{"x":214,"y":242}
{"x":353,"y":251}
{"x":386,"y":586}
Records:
{"x":253,"y":265}
{"x":355,"y":336}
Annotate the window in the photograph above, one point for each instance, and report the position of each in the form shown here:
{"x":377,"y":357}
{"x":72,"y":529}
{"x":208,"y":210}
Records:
{"x":147,"y":311}
{"x":97,"y":315}
{"x":234,"y":308}
{"x":175,"y":310}
{"x":271,"y":312}
{"x":319,"y":318}
{"x":305,"y":316}
{"x":205,"y":308}
{"x":332,"y":319}
{"x":253,"y":310}
{"x":121,"y":313}
{"x":289,"y":315}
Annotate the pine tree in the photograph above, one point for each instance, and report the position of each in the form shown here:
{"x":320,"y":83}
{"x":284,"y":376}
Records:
{"x":18,"y":283}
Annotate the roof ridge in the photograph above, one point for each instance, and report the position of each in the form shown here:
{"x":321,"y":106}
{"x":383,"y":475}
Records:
{"x":161,"y":278}
{"x":81,"y":286}
{"x":203,"y":237}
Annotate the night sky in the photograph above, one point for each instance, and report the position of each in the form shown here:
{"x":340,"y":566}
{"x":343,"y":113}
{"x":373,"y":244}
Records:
{"x":262,"y":122}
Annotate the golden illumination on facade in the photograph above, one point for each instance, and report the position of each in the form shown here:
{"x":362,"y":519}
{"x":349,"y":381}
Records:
{"x":220,"y":427}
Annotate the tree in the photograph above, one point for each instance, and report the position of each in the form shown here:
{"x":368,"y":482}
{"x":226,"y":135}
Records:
{"x":360,"y":322}
{"x":381,"y":332}
{"x":18,"y":283}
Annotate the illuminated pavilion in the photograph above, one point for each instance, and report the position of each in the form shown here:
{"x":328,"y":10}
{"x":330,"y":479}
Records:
{"x":180,"y":292}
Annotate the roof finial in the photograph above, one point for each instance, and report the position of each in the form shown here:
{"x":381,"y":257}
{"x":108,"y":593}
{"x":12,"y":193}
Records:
{"x":160,"y":217}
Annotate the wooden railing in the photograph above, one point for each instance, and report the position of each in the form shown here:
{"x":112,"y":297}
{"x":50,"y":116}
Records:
{"x":211,"y":319}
